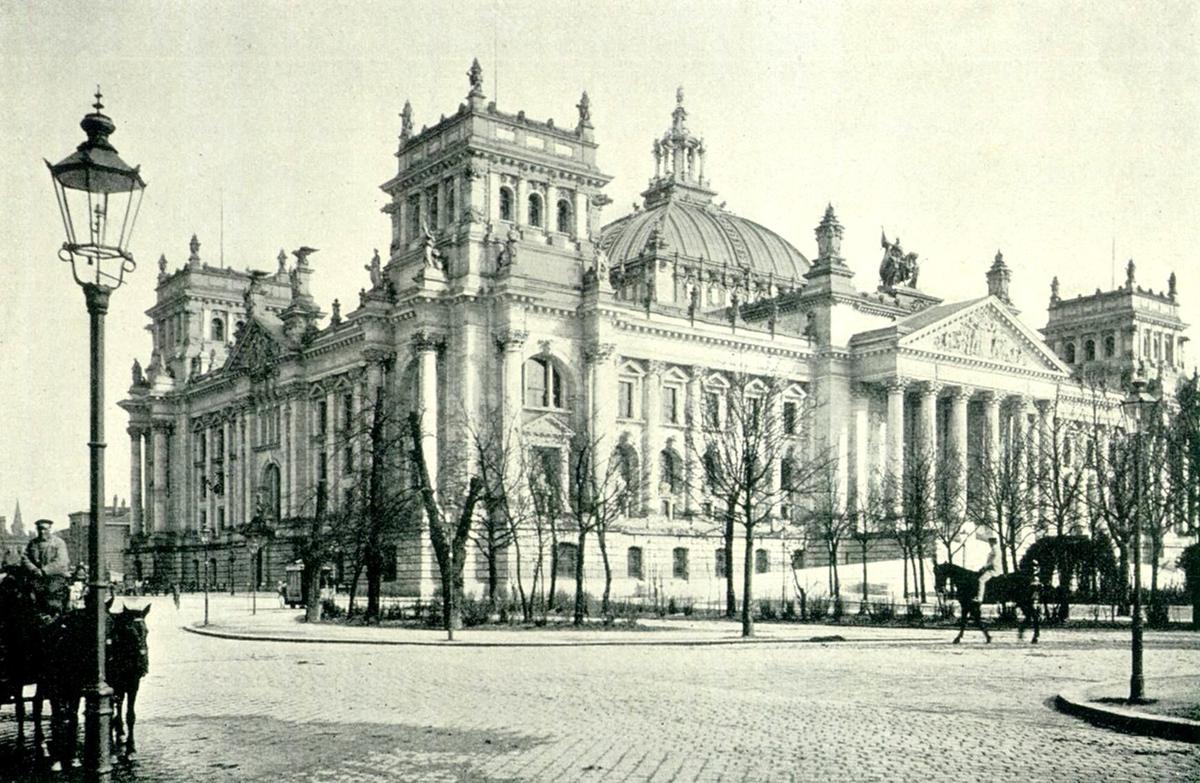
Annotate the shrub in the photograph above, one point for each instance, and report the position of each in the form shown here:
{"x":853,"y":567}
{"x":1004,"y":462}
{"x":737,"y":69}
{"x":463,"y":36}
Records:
{"x":688,"y":609}
{"x":789,"y":610}
{"x":881,"y":611}
{"x":475,"y":611}
{"x":913,"y":614}
{"x":766,"y":611}
{"x":330,"y":610}
{"x":818,"y":608}
{"x":1007,"y":614}
{"x":672,"y":608}
{"x":1158,"y":614}
{"x":946,"y":610}
{"x":838,"y":609}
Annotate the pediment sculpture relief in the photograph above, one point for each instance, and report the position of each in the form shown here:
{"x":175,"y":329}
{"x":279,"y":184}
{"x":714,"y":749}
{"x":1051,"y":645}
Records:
{"x":981,"y":336}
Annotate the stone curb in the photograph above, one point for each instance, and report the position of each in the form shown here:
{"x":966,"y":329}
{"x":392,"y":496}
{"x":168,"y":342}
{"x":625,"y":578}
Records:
{"x":252,"y":637}
{"x":1124,"y":719}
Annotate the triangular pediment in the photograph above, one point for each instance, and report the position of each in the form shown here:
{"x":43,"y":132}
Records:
{"x":985,"y":331}
{"x":255,"y":352}
{"x":548,"y":427}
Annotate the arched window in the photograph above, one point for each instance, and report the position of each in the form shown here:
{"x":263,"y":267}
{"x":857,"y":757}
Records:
{"x":535,"y":210}
{"x":506,"y":204}
{"x":564,"y":216}
{"x":1070,"y":351}
{"x":1110,"y":347}
{"x":218,"y":330}
{"x":627,"y":471}
{"x":762,"y":561}
{"x":712,"y":469}
{"x":634,"y":563}
{"x":679,"y":563}
{"x":671,"y":470}
{"x":797,"y":559}
{"x":787,"y":473}
{"x":1089,"y":350}
{"x":722,"y":563}
{"x":543,"y":384}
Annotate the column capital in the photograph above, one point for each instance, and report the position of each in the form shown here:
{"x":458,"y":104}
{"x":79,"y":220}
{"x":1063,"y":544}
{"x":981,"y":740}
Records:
{"x":137,"y":430}
{"x":930,"y":388}
{"x":1043,"y":406}
{"x":655,"y":367}
{"x":424,"y":341}
{"x":896,"y":385}
{"x":378,"y":355}
{"x":599,"y":353}
{"x":510,"y":339}
{"x":961,"y":393}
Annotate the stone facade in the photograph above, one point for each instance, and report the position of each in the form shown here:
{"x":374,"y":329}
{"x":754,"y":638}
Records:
{"x":116,"y":539}
{"x":502,"y":298}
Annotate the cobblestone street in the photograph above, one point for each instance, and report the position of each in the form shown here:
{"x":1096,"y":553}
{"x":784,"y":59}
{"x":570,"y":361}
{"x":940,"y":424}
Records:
{"x":221,"y":710}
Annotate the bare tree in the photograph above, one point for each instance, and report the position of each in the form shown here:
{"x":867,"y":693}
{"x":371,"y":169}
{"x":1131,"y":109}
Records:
{"x":949,"y":504}
{"x":449,"y":521}
{"x":743,"y":452}
{"x":829,"y":518}
{"x":999,"y":500}
{"x":872,"y":515}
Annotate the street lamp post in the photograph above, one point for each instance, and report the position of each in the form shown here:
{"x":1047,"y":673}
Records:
{"x":257,"y":533}
{"x":98,"y":196}
{"x":205,"y":538}
{"x":1136,"y":405}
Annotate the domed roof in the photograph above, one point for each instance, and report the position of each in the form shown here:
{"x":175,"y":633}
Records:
{"x":695,"y":231}
{"x":679,"y":216}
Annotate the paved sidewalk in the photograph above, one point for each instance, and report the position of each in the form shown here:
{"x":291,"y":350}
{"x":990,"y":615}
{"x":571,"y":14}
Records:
{"x":288,"y":626}
{"x":1098,"y":703}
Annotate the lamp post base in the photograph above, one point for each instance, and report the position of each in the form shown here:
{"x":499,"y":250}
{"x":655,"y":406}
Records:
{"x":97,"y":713}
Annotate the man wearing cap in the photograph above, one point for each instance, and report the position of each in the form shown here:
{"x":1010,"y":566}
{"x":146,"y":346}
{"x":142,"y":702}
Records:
{"x":989,"y":567}
{"x":47,"y":559}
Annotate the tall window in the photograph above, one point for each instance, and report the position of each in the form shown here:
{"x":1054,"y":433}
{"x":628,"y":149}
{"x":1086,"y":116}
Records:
{"x":712,"y":410}
{"x":567,"y":555}
{"x":270,"y":491}
{"x":671,"y":469}
{"x":787,"y":473}
{"x":543,"y":384}
{"x":627,"y":469}
{"x":789,"y":418}
{"x":414,"y":216}
{"x":451,"y":214}
{"x":546,"y":480}
{"x":721,"y":569}
{"x":535,"y":209}
{"x":322,"y":418}
{"x":564,"y":216}
{"x":679,"y":563}
{"x":670,"y":403}
{"x":625,"y":409}
{"x":712,"y":468}
{"x":506,"y":204}
{"x":1110,"y":347}
{"x":431,"y":198}
{"x":218,"y":330}
{"x":797,"y":559}
{"x":1070,"y":351}
{"x":762,"y":561}
{"x":1089,"y":350}
{"x":634,"y":562}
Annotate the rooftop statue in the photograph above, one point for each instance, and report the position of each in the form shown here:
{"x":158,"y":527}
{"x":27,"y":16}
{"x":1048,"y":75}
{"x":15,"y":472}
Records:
{"x":897,"y":267}
{"x":375,"y":270}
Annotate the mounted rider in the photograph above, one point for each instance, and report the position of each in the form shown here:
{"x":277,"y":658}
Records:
{"x":47,"y":561}
{"x":990,"y":566}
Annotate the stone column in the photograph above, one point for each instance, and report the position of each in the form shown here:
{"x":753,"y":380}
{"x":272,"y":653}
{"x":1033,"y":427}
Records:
{"x":1019,"y":444}
{"x":959,"y":398}
{"x":135,"y":480}
{"x":650,"y":442}
{"x":601,"y":393}
{"x":581,"y":209}
{"x":291,"y":454}
{"x":159,"y":438}
{"x":493,"y":197}
{"x":895,"y":440}
{"x":511,"y":343}
{"x":426,"y":346}
{"x":521,"y":211}
{"x":247,"y":463}
{"x":694,"y":444}
{"x":1044,"y":448}
{"x":861,"y":406}
{"x":210,"y":500}
{"x":225,"y":465}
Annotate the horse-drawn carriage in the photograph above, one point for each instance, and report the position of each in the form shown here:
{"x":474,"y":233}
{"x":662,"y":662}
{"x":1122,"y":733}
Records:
{"x":45,"y":644}
{"x":293,"y":589}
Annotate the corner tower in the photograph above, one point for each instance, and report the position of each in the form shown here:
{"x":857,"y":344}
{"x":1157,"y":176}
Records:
{"x":483,"y":192}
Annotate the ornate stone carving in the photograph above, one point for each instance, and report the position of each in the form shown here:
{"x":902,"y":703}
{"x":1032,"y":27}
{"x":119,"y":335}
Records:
{"x":139,"y":378}
{"x":600,"y":352}
{"x":510,"y":339}
{"x":424,"y":340}
{"x":375,"y":269}
{"x":432,"y":256}
{"x":897,"y":267}
{"x":980,"y":336}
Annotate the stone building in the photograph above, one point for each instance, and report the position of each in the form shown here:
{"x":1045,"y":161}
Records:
{"x":116,"y":539}
{"x":503,"y":295}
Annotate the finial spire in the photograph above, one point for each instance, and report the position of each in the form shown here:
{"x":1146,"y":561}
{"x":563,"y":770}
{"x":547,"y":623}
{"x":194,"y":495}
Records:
{"x":98,"y":105}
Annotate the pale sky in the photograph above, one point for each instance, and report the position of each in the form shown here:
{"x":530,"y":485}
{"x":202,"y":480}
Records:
{"x":1045,"y":129}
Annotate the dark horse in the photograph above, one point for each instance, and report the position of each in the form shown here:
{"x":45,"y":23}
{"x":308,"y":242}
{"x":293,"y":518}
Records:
{"x":21,"y":631}
{"x":127,"y":663}
{"x":1016,"y":588}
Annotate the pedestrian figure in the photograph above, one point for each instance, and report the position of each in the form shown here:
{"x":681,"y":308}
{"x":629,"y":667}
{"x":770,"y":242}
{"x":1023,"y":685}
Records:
{"x":175,"y":594}
{"x":281,"y":588}
{"x":989,"y":567}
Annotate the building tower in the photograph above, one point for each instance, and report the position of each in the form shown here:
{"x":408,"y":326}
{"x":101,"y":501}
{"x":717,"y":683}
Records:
{"x":1107,"y":335}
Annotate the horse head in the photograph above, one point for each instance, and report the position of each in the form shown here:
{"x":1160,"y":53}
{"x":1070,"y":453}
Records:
{"x":941,"y":573}
{"x":129,"y":650}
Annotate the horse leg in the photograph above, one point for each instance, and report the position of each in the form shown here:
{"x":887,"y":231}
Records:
{"x":18,"y":697}
{"x":39,"y":735}
{"x":131,"y":716}
{"x":118,"y":728}
{"x":977,"y":613}
{"x":962,"y":622}
{"x":1036,"y":626}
